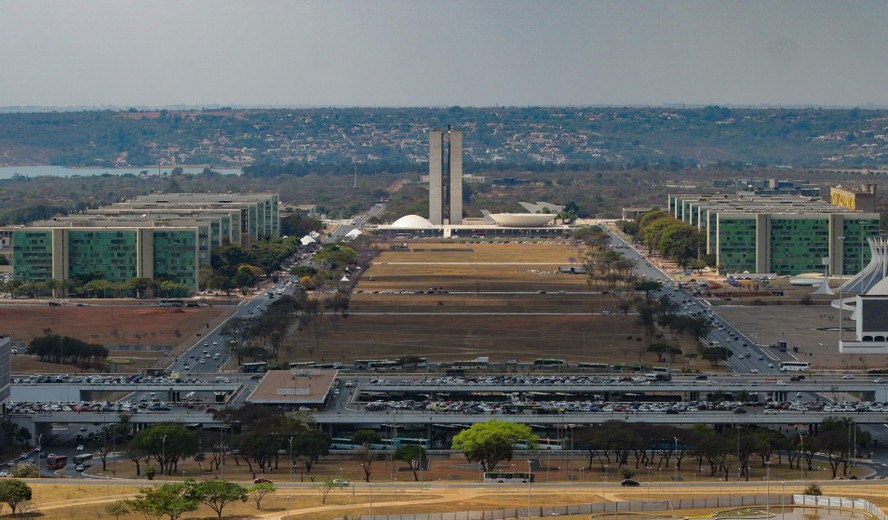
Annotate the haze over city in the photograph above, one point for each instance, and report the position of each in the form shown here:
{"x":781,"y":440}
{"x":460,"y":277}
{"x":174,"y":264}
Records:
{"x":350,"y":53}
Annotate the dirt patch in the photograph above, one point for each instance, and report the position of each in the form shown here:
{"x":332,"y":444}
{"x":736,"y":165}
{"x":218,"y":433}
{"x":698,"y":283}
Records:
{"x":131,"y":332}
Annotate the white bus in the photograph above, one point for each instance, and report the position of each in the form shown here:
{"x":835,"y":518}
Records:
{"x":550,"y":444}
{"x":795,"y":366}
{"x":503,"y":477}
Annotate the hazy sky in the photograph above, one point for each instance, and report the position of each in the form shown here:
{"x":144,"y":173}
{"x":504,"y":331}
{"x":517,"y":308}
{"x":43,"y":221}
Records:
{"x":418,"y":53}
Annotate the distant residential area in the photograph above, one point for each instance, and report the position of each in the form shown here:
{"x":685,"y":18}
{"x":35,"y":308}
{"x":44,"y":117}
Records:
{"x":394,"y":139}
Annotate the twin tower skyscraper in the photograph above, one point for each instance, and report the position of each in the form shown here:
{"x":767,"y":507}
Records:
{"x":445,"y":177}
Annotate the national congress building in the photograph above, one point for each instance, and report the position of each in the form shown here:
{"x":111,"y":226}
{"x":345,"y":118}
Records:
{"x":164,"y":237}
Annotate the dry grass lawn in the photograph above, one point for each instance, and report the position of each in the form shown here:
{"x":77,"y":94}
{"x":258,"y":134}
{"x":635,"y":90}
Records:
{"x":87,"y":501}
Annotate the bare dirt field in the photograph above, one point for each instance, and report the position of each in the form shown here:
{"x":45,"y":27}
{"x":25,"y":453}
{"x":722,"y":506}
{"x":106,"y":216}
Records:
{"x":505,"y":301}
{"x":146,"y":332}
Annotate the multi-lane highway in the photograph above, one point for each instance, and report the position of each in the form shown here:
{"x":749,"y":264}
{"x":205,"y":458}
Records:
{"x":748,"y":357}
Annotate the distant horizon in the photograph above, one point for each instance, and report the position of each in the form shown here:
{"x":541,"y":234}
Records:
{"x":36,"y":109}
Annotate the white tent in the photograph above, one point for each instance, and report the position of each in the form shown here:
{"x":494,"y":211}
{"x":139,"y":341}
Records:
{"x":353,"y":234}
{"x":307,"y":240}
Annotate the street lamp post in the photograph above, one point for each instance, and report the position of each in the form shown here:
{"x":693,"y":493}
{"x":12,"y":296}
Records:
{"x":529,"y":487}
{"x":292,"y":467}
{"x":737,"y":427}
{"x":39,"y":452}
{"x":768,"y":489}
{"x":841,"y":240}
{"x":222,"y":454}
{"x":801,"y":459}
{"x":675,"y":474}
{"x":163,"y":442}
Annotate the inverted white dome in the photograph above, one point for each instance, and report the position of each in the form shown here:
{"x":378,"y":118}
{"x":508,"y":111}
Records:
{"x":412,"y":222}
{"x":522,"y":219}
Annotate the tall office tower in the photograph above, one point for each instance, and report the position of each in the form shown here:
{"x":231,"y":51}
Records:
{"x":436,"y":180}
{"x":449,"y":176}
{"x":455,"y":176}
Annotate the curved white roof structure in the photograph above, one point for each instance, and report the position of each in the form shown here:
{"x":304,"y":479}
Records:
{"x":412,"y":222}
{"x":874,"y":272}
{"x":522,"y":219}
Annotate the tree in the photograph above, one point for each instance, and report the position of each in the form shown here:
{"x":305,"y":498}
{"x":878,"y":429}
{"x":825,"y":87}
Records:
{"x":117,"y":509}
{"x":261,"y":447}
{"x":833,"y":440}
{"x":260,"y":491}
{"x":167,"y":443}
{"x":142,"y":286}
{"x":238,"y":331}
{"x":413,"y":455}
{"x":219,"y":493}
{"x":324,"y":487}
{"x":136,"y":454}
{"x":170,"y":500}
{"x":491,"y":442}
{"x":312,"y":445}
{"x":715,"y":355}
{"x":15,"y":493}
{"x":336,"y":256}
{"x":364,"y":438}
{"x":648,"y":286}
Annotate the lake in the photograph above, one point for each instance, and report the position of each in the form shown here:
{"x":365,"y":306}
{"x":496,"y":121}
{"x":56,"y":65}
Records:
{"x":7,"y":172}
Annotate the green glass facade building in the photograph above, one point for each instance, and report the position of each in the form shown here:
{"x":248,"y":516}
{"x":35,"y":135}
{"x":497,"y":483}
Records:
{"x":784,"y":235}
{"x":164,"y":237}
{"x":118,"y":254}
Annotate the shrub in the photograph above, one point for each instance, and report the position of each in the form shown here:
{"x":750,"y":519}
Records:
{"x":813,"y":489}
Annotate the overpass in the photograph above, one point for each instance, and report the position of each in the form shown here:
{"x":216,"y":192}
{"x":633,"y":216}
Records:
{"x":690,"y":389}
{"x":72,"y":392}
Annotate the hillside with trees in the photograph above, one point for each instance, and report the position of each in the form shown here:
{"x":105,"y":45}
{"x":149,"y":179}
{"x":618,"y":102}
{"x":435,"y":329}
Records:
{"x":321,"y":141}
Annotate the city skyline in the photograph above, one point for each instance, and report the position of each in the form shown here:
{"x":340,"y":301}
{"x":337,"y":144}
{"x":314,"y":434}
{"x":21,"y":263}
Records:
{"x":99,"y":53}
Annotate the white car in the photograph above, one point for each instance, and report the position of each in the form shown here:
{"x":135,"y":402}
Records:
{"x":847,"y":376}
{"x":338,"y":482}
{"x":80,"y":447}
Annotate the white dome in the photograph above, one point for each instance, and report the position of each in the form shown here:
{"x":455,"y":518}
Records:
{"x":412,"y":222}
{"x":522,"y":219}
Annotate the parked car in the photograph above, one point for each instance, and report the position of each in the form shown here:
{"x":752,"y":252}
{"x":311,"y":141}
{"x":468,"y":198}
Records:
{"x":338,"y":482}
{"x":630,"y":483}
{"x":262,"y":480}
